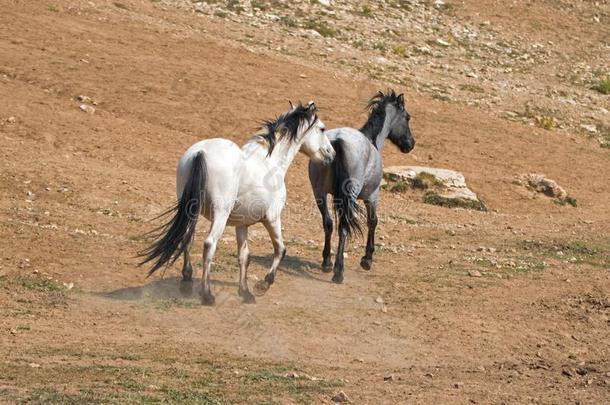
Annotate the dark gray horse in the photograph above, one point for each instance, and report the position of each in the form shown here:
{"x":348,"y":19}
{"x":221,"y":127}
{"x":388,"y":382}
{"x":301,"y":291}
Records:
{"x":356,"y":174}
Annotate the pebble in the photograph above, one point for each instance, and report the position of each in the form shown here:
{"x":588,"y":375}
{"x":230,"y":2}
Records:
{"x":11,"y":120}
{"x":340,"y":397}
{"x":474,"y":273}
{"x":87,"y":108}
{"x":379,"y":300}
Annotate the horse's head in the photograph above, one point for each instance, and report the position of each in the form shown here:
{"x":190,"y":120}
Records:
{"x":400,"y":133}
{"x":315,"y":143}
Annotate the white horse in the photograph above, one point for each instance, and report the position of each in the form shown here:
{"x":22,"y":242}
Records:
{"x":237,"y":187}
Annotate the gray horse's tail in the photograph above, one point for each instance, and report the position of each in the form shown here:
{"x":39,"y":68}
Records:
{"x":174,"y":237}
{"x":347,"y":211}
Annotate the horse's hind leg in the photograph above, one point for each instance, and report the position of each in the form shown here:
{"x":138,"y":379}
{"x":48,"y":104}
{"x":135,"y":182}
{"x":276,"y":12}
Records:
{"x":371,"y":217}
{"x":243,"y":253}
{"x":338,"y":269}
{"x":187,"y":268}
{"x":327,"y":222}
{"x":279,"y":251}
{"x":209,"y":248}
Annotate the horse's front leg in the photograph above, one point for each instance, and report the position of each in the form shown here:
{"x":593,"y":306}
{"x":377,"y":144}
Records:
{"x":279,"y":251}
{"x":243,"y":254}
{"x":371,"y":217}
{"x":327,"y":222}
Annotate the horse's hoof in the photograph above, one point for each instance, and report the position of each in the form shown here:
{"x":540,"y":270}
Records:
{"x":366,"y":263}
{"x":338,"y":278}
{"x":270,"y":278}
{"x":207,"y":299}
{"x":247,"y":296}
{"x":187,"y":274}
{"x":186,"y":288}
{"x":327,"y":267}
{"x":261,"y":287}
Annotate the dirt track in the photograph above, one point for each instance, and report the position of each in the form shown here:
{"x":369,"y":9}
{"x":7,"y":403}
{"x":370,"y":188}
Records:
{"x":77,"y":189}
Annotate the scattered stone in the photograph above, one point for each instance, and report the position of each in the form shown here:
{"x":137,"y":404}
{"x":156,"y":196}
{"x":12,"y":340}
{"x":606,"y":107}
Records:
{"x":542,"y":184}
{"x":87,"y":108}
{"x":474,"y":273}
{"x":458,"y":385}
{"x":590,"y":128}
{"x":379,"y":300}
{"x":340,"y":397}
{"x":389,"y":377}
{"x":69,"y":286}
{"x":34,"y":365}
{"x":11,"y":120}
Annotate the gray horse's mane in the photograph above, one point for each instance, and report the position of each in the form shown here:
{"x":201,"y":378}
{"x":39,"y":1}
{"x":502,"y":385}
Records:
{"x":376,"y":106}
{"x":288,"y":124}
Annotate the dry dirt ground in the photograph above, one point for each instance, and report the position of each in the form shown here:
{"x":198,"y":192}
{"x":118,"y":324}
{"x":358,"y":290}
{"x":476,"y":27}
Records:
{"x":511,"y":305}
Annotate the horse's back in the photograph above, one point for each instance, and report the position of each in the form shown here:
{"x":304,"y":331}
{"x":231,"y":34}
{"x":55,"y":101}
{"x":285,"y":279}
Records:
{"x":361,"y":160}
{"x":223,"y":161}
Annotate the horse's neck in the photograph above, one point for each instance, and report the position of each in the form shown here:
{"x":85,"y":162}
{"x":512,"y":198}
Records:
{"x":377,"y":128}
{"x":282,"y":156}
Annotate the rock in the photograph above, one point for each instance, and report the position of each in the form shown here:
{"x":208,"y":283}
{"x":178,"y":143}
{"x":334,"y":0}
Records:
{"x":326,"y":3}
{"x":441,"y":42}
{"x":68,"y":286}
{"x":340,"y":397}
{"x":87,"y":108}
{"x":591,"y":128}
{"x":85,"y":99}
{"x":449,"y":186}
{"x":544,"y":185}
{"x":11,"y":120}
{"x":379,"y":300}
{"x":390,"y":377}
{"x":474,"y":273}
{"x":34,"y":365}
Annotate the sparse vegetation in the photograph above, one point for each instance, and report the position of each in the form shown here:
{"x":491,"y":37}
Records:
{"x":566,"y":201}
{"x":424,"y":181}
{"x":433,"y":198}
{"x":399,"y":50}
{"x":603,"y":86}
{"x":321,"y":27}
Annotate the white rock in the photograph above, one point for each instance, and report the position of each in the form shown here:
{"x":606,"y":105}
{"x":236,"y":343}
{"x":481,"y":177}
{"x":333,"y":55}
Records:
{"x":453,"y":183}
{"x":87,"y":108}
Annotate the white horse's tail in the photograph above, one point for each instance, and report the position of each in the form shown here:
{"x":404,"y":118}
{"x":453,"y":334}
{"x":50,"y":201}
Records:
{"x":174,"y":237}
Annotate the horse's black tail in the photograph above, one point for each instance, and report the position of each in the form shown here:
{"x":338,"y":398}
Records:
{"x":173,"y":237}
{"x":347,"y":211}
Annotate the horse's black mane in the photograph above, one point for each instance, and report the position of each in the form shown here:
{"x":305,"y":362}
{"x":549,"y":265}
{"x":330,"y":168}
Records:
{"x":373,"y":125}
{"x":288,"y":125}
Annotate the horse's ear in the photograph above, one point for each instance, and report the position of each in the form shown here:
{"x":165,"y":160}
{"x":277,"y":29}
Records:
{"x":401,"y":99}
{"x":291,"y":106}
{"x":311,"y":107}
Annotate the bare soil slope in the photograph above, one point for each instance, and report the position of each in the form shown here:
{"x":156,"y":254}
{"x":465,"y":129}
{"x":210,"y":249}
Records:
{"x":506,"y":306}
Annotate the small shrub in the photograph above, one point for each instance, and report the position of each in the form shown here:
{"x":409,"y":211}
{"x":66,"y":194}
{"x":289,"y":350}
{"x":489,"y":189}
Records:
{"x":545,"y":122}
{"x":567,"y":201}
{"x":321,"y":27}
{"x":399,"y":50}
{"x":424,"y":181}
{"x":366,"y":11}
{"x":434,"y":198}
{"x":603,"y":86}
